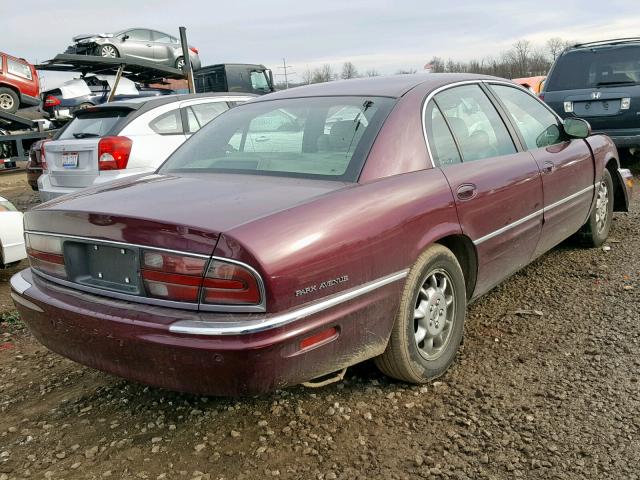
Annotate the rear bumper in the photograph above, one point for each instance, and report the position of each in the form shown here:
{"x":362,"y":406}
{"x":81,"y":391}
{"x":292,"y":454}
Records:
{"x":138,"y":342}
{"x":623,"y":138}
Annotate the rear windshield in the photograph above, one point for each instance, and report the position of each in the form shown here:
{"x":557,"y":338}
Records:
{"x":320,"y":137}
{"x":93,"y":124}
{"x":598,"y":67}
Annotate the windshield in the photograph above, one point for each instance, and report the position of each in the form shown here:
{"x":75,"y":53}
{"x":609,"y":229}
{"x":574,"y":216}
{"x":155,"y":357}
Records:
{"x":320,"y":137}
{"x":599,"y":67}
{"x":92,"y":124}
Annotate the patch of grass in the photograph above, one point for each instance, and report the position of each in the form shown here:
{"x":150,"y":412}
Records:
{"x":11,"y":318}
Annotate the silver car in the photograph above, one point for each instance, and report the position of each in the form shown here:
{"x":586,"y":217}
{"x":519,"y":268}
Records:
{"x":138,"y":43}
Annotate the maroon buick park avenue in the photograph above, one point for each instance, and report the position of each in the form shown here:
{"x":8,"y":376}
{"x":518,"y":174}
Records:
{"x":315,"y":228}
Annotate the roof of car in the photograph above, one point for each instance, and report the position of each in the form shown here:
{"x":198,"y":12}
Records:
{"x":394,"y":86}
{"x":152,"y":102}
{"x":606,"y":43}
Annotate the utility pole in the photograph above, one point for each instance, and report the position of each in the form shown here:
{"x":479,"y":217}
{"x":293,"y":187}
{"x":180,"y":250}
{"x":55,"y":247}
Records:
{"x":286,"y":72}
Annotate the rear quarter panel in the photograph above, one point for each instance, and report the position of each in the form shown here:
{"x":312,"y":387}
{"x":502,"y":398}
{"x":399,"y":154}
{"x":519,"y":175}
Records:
{"x":605,"y":153}
{"x":364,"y":232}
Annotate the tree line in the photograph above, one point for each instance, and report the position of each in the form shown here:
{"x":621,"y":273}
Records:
{"x":523,"y":59}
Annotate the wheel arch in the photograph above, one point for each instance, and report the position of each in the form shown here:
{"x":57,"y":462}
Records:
{"x":465,"y":251}
{"x":620,"y":201}
{"x":12,"y":87}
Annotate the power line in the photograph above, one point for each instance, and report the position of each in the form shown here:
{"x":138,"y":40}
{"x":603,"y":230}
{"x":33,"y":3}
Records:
{"x":286,"y":72}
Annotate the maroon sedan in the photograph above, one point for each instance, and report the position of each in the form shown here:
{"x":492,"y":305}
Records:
{"x":313,"y":229}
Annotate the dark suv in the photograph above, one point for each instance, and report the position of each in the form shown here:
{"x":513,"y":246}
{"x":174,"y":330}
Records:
{"x":600,"y":82}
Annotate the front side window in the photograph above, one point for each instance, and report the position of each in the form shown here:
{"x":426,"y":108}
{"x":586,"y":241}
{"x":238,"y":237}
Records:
{"x":259,"y":81}
{"x":441,"y":143}
{"x":169,"y":123}
{"x":476,"y":125}
{"x":139,"y":35}
{"x":300,"y":137}
{"x":14,"y":67}
{"x":537,"y":125}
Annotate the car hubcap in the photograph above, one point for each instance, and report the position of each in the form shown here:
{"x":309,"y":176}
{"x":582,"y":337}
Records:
{"x":433,"y":315}
{"x":602,"y":207}
{"x":6,"y":101}
{"x":108,"y":52}
{"x":180,"y":64}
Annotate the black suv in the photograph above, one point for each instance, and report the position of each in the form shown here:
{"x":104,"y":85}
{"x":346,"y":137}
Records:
{"x":600,"y":82}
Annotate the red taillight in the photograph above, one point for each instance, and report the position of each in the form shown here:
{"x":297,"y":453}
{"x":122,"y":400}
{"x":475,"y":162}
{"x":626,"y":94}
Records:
{"x":194,"y":50}
{"x":181,"y":278}
{"x":46,"y":254}
{"x":51,"y":101}
{"x":229,"y":283}
{"x":172,"y":277}
{"x":113,"y":153}
{"x":43,"y":157}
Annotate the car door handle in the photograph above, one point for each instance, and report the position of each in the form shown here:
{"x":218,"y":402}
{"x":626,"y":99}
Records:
{"x":548,"y":167}
{"x":467,"y":191}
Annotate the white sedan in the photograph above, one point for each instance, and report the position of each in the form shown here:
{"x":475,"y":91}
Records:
{"x":11,"y":234}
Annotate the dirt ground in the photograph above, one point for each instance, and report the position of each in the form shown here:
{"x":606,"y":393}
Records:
{"x":554,"y":395}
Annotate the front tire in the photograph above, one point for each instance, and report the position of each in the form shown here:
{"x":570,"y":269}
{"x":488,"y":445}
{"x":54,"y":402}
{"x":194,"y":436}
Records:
{"x":430,"y":322}
{"x":596,"y":231}
{"x":9,"y":101}
{"x":108,"y":51}
{"x":180,"y":63}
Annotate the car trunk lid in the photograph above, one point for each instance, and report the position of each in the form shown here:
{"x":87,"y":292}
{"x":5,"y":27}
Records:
{"x":186,"y":212}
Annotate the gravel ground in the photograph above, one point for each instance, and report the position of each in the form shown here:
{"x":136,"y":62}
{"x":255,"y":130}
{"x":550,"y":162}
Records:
{"x":549,"y":394}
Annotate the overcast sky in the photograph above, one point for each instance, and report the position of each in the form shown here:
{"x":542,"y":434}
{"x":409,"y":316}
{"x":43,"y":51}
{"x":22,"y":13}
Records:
{"x":383,"y":34}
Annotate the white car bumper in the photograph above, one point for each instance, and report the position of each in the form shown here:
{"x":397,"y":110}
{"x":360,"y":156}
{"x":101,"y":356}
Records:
{"x":11,"y":238}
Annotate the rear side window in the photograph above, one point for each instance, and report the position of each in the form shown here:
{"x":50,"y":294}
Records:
{"x":598,"y":67}
{"x":19,"y":69}
{"x":537,"y":125}
{"x":169,"y":123}
{"x":201,"y":114}
{"x":161,"y":37}
{"x":93,"y":124}
{"x":475,"y":123}
{"x":441,"y":144}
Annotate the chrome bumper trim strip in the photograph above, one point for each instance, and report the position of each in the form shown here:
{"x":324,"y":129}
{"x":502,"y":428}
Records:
{"x":19,"y":284}
{"x":192,"y":327}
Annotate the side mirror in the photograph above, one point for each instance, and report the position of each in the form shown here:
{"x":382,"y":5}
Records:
{"x":577,"y":127}
{"x":124,"y":37}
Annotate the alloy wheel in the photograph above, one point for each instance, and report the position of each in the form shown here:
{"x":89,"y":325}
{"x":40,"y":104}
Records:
{"x":6,"y":101}
{"x":433,"y":315}
{"x":602,"y":206}
{"x":108,"y":51}
{"x":180,"y":64}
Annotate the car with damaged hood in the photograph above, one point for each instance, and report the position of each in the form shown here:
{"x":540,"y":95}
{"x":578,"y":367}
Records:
{"x":315,"y":228}
{"x":137,"y":43}
{"x":61,"y":103}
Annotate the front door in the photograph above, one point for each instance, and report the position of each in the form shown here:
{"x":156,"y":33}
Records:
{"x":497,"y":189}
{"x":138,"y":44}
{"x":566,"y":165}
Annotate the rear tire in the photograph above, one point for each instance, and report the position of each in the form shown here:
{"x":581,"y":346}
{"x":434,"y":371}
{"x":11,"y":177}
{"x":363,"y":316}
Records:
{"x":9,"y":100}
{"x":430,"y":322}
{"x":180,"y":63}
{"x":596,"y":231}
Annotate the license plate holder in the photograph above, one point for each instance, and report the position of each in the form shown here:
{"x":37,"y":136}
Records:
{"x":70,"y":160}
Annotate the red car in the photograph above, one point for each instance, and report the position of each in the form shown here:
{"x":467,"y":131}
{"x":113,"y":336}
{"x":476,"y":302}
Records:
{"x":315,"y":228}
{"x":19,"y":85}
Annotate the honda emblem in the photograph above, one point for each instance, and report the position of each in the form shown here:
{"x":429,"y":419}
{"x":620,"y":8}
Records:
{"x":595,"y":95}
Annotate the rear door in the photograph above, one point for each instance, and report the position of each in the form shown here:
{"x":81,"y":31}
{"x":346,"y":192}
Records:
{"x":72,"y":159}
{"x":497,"y":188}
{"x":567,"y":166}
{"x":162,"y":47}
{"x":196,"y":114}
